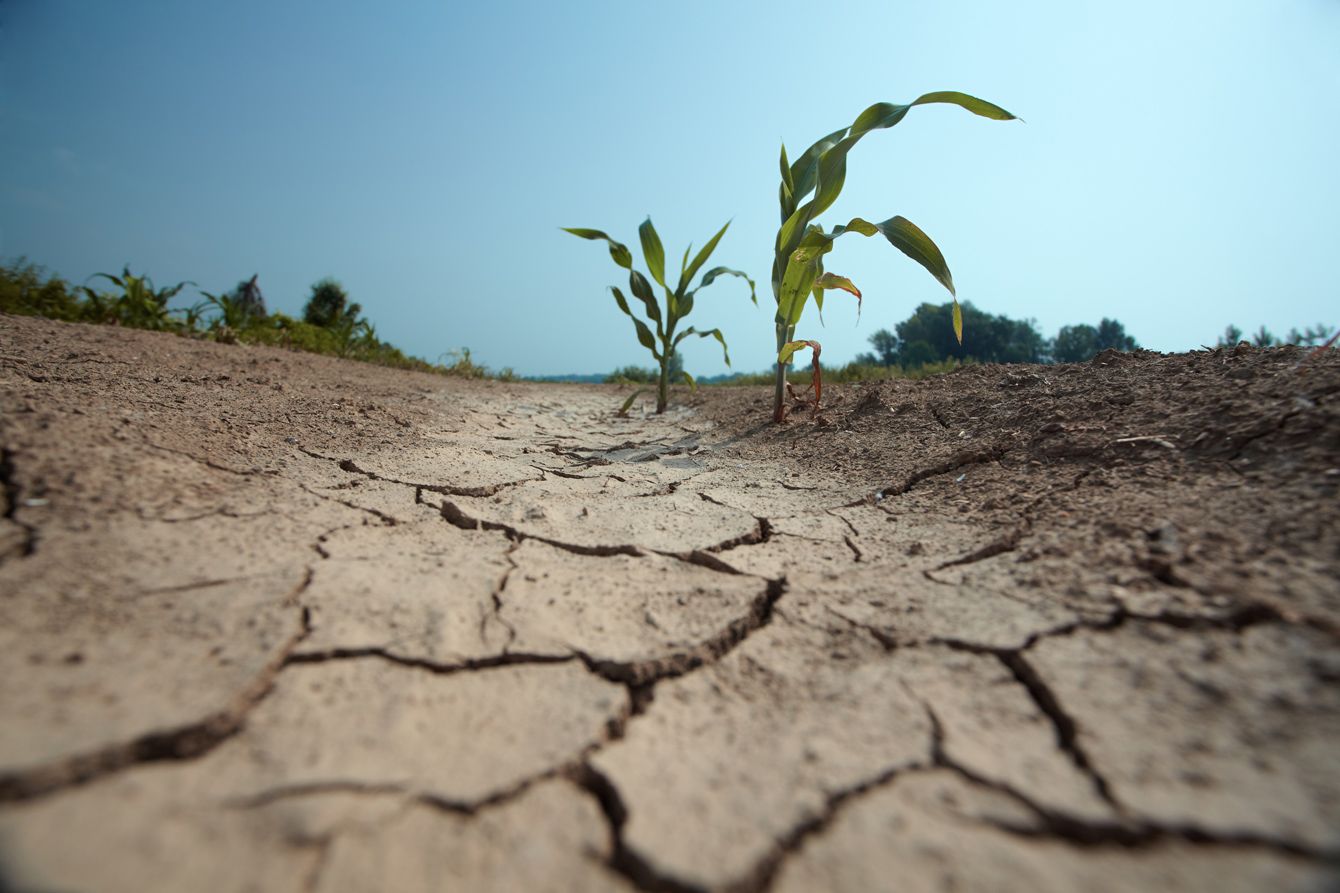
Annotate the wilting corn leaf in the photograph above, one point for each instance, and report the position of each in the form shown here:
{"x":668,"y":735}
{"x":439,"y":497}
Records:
{"x":789,"y":349}
{"x":958,"y":322}
{"x":693,"y":385}
{"x":833,"y":280}
{"x":816,"y":378}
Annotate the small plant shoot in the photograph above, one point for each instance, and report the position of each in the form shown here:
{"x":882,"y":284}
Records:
{"x":678,"y":301}
{"x":798,"y":260}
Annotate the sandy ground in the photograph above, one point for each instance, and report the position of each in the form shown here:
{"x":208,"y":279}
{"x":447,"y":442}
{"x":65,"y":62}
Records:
{"x":272,"y":621}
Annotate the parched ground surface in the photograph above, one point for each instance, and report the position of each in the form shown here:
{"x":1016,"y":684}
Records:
{"x":271,"y":621}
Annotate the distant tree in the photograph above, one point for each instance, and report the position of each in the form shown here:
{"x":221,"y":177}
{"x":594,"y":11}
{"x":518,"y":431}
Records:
{"x":885,"y":344}
{"x":1112,"y":336}
{"x":1264,"y":338}
{"x":1081,"y":343}
{"x":1311,"y":336}
{"x":1075,"y":344}
{"x":249,"y":296}
{"x":632,"y":375}
{"x":329,"y":306}
{"x":927,"y":336}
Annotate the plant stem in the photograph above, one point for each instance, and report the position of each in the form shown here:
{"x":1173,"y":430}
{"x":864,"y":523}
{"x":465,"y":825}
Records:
{"x":783,"y":336}
{"x":661,"y":395}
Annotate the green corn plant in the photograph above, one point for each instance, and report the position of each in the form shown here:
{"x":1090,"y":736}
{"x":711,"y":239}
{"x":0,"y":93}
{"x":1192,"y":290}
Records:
{"x":192,"y":316}
{"x":678,"y":302}
{"x":798,"y":261}
{"x":139,"y":305}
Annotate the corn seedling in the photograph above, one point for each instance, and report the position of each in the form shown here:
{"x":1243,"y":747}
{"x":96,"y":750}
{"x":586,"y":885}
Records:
{"x":678,"y":302}
{"x":798,"y":261}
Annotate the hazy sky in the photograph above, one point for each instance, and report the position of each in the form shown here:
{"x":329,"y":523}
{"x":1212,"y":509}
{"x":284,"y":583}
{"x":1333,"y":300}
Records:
{"x":1177,"y":169}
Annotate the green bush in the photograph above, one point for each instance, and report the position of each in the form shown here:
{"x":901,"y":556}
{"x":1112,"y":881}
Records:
{"x":27,"y":290}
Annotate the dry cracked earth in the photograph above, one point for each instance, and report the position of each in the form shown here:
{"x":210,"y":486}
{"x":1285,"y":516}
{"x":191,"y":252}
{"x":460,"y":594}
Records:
{"x":277,"y":622}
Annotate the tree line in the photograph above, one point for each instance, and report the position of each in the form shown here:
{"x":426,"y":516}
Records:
{"x":1312,"y":336}
{"x":926,"y":338}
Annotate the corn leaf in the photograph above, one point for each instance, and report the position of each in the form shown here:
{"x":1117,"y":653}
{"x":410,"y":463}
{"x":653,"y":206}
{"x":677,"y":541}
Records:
{"x":715,"y":333}
{"x":971,"y":103}
{"x":789,"y":349}
{"x":693,"y":385}
{"x":711,"y":276}
{"x":904,"y":235}
{"x":901,"y":233}
{"x":653,"y":251}
{"x":832,"y":280}
{"x":806,"y":167}
{"x":958,"y":322}
{"x":801,"y":270}
{"x":642,"y":291}
{"x":623,"y":410}
{"x":644,"y":335}
{"x":830,"y":166}
{"x":619,"y":251}
{"x":701,"y":258}
{"x":816,"y":377}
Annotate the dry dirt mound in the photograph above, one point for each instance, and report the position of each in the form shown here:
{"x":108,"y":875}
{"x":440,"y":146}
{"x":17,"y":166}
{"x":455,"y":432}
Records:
{"x":271,"y":621}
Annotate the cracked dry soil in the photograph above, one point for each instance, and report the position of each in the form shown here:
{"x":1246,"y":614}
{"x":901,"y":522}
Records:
{"x":271,"y":621}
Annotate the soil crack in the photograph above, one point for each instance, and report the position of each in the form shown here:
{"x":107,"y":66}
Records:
{"x":1067,"y":731}
{"x":955,"y":462}
{"x":623,"y":860}
{"x":711,"y":650}
{"x":352,"y":467}
{"x":1083,"y":832}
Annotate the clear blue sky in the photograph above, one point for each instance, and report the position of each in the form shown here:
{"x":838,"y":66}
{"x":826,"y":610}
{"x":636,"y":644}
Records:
{"x":1177,"y":170}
